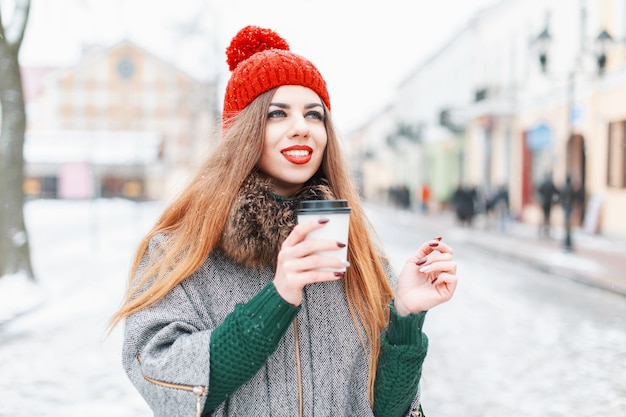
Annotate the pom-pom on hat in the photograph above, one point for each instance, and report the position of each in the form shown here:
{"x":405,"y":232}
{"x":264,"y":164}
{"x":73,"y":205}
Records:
{"x":260,"y":60}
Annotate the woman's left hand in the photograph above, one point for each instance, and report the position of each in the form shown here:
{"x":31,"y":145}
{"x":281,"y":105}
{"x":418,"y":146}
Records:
{"x":427,"y":279}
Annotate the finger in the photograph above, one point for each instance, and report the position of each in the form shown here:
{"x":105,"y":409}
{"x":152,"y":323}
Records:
{"x":446,"y":282}
{"x":314,"y":262}
{"x":438,"y":267}
{"x":448,"y":278}
{"x":299,"y":279}
{"x":300,"y":231}
{"x":307,"y":248}
{"x":317,"y":276}
{"x":434,"y":256}
{"x":431,"y":246}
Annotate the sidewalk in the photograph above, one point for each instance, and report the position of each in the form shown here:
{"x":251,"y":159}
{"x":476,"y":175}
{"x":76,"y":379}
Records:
{"x":597,"y":261}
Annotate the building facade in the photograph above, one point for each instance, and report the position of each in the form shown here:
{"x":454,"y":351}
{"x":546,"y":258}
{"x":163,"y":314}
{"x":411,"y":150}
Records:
{"x":133,"y":124}
{"x":527,"y":89}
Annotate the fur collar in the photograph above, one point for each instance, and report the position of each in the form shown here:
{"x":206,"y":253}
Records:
{"x":259,"y":221}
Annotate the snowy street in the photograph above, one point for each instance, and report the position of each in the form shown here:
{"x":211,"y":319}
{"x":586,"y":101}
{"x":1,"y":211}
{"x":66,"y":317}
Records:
{"x":514,"y":341}
{"x":58,"y":360}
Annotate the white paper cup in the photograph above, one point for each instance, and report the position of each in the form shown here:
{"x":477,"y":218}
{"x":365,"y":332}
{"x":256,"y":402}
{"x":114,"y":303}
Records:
{"x":338,"y":214}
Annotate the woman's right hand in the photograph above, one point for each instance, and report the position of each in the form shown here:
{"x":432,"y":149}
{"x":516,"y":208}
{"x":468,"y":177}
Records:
{"x":298,"y":262}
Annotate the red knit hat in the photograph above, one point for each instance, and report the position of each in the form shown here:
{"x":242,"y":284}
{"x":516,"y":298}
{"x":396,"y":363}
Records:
{"x":260,"y":60}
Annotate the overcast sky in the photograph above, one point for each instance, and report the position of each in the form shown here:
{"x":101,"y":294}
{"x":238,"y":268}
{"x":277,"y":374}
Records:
{"x":364,"y":49}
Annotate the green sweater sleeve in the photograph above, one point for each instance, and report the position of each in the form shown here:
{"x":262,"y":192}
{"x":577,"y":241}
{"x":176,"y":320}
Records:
{"x":244,"y":341}
{"x":403,"y":349}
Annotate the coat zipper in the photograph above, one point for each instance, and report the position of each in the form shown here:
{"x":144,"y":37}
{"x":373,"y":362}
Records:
{"x":199,"y":390}
{"x":296,"y":339}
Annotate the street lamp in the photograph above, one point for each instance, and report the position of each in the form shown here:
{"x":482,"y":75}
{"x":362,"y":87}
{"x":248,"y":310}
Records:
{"x":602,"y":43}
{"x":543,"y":43}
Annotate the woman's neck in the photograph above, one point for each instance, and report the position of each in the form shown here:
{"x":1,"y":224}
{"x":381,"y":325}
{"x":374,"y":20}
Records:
{"x":279,"y":197}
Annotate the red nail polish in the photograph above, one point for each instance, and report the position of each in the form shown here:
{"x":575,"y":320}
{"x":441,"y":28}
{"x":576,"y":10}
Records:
{"x":338,"y":274}
{"x":341,"y":245}
{"x":433,"y":244}
{"x":323,"y":221}
{"x":421,"y":261}
{"x":438,"y":238}
{"x":434,"y":280}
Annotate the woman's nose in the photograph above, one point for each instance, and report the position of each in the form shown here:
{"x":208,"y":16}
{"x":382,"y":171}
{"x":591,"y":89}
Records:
{"x":300,"y":127}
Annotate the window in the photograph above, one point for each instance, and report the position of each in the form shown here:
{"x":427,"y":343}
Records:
{"x":616,"y":163}
{"x":126,"y":67}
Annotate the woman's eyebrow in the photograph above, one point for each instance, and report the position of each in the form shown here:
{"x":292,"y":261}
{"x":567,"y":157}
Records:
{"x":287,"y":106}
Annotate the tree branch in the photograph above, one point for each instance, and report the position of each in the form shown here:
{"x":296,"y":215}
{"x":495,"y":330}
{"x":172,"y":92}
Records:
{"x":3,"y":39}
{"x":20,"y":18}
{"x":12,"y":34}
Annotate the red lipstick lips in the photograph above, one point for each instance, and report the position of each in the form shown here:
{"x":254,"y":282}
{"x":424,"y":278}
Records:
{"x":298,"y":154}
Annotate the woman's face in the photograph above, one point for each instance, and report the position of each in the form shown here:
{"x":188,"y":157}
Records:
{"x":295,"y":138}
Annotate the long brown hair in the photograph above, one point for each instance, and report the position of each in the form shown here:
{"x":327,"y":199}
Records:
{"x":194,"y":221}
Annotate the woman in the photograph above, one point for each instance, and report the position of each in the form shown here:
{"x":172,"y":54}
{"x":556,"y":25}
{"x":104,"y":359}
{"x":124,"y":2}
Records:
{"x":227,"y":313}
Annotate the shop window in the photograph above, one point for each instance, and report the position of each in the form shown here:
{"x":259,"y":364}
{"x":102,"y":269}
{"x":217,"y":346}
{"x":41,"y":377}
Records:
{"x":616,"y":163}
{"x":119,"y":187}
{"x":540,"y":142}
{"x":132,"y":189}
{"x":112,"y":187}
{"x":49,"y":187}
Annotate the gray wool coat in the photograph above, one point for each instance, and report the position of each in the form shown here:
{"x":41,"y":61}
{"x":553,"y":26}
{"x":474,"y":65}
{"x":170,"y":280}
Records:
{"x":166,"y":350}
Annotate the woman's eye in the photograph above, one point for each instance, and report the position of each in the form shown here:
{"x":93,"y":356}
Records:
{"x":276,"y":113}
{"x":315,"y":115}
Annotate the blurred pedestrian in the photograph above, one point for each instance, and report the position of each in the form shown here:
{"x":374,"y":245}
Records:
{"x":464,"y":203}
{"x":425,"y":197}
{"x":497,"y":206}
{"x":548,"y":195}
{"x":503,"y":207}
{"x":228,"y":312}
{"x":569,"y":197}
{"x":400,"y":196}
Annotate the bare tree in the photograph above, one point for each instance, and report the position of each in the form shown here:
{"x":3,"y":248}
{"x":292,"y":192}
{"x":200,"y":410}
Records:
{"x":14,"y":246}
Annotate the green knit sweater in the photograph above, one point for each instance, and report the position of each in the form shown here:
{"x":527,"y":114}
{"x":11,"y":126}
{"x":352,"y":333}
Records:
{"x":254,"y":329}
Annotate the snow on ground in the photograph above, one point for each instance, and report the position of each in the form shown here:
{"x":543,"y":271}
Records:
{"x":56,"y":359}
{"x":18,"y":295}
{"x":55,"y":356}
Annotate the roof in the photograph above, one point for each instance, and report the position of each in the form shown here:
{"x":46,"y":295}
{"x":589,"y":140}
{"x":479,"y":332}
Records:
{"x":96,"y":147}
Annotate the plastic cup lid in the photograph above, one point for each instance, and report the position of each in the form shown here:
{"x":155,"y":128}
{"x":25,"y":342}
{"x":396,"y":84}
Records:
{"x":324,"y":206}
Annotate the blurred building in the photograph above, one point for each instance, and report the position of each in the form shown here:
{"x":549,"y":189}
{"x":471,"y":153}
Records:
{"x":121,"y":123}
{"x":528,"y":88}
{"x":373,"y":157}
